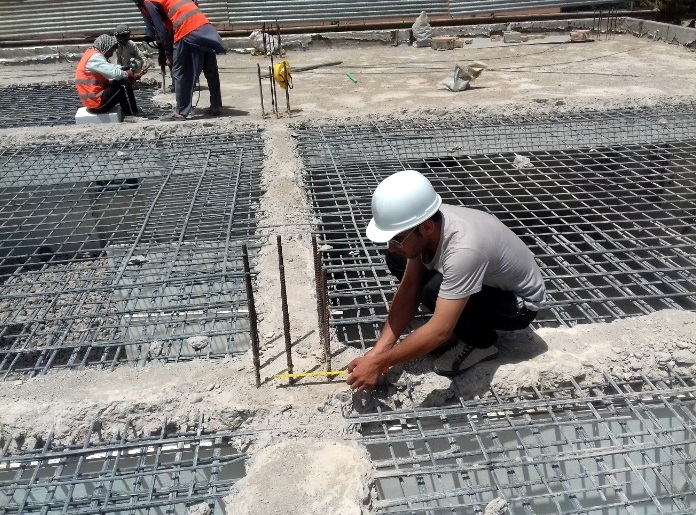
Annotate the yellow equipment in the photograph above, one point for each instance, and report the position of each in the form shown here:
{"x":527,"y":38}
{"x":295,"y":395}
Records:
{"x":281,"y":74}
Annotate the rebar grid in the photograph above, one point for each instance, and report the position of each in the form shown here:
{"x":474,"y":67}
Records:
{"x":164,"y":473}
{"x":616,"y":447}
{"x":612,"y":226}
{"x":126,"y":251}
{"x":56,"y":104}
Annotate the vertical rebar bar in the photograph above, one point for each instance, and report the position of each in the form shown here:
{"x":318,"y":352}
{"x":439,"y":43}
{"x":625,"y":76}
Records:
{"x":252,"y":316}
{"x":280,"y":53}
{"x":327,"y":314}
{"x":263,"y":35}
{"x":284,"y":305}
{"x":319,"y":291}
{"x":263,"y":113}
{"x":287,"y":89}
{"x":270,"y":75}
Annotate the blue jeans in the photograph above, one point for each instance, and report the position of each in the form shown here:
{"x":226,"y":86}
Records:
{"x":487,"y":310}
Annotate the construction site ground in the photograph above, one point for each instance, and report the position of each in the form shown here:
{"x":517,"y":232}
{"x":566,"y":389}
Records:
{"x":305,"y":458}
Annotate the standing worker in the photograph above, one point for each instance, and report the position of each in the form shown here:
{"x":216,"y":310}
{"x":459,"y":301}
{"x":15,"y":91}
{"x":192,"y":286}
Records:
{"x":100,"y":84}
{"x":127,"y":54}
{"x":195,"y":46}
{"x":468,"y":269}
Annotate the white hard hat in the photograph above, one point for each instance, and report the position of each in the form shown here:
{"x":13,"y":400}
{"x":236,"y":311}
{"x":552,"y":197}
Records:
{"x":400,"y":202}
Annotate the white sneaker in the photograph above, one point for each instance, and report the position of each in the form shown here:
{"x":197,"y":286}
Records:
{"x":461,"y":357}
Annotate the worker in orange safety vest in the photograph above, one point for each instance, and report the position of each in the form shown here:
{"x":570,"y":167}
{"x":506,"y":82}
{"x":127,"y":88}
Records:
{"x":100,"y":84}
{"x":194,"y":46}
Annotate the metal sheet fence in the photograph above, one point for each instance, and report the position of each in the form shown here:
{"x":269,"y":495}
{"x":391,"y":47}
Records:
{"x":37,"y":19}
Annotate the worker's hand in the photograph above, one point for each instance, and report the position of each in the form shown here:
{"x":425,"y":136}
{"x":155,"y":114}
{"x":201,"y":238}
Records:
{"x":169,"y":62}
{"x":365,"y":371}
{"x":131,"y":76}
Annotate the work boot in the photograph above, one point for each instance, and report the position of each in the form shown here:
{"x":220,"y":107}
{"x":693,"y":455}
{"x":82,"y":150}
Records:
{"x":214,"y":111}
{"x":172,"y":117}
{"x":461,"y":357}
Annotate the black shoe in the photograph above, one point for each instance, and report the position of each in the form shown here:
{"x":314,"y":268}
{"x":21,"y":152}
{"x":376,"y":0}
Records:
{"x":461,"y":357}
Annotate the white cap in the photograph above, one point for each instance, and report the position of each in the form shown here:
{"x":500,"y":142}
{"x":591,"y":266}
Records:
{"x":401,"y":201}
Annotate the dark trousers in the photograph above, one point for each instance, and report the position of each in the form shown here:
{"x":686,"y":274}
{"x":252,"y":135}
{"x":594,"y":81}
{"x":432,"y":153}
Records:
{"x":193,"y":54}
{"x":486,"y":310}
{"x":120,"y":92}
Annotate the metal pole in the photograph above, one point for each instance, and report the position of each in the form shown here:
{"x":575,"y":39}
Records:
{"x":252,"y":316}
{"x":280,"y":53}
{"x":327,"y":334}
{"x":319,"y":291}
{"x":287,"y":90}
{"x":284,"y":304}
{"x":270,"y":74}
{"x":263,"y":113}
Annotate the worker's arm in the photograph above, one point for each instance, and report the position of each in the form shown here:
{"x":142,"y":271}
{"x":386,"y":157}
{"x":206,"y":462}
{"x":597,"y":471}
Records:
{"x":142,"y":63}
{"x":163,"y":35}
{"x":404,"y":305}
{"x":98,"y":64}
{"x":366,"y":370}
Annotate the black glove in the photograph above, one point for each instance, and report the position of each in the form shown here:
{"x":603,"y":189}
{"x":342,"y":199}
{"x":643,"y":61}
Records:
{"x":149,"y":39}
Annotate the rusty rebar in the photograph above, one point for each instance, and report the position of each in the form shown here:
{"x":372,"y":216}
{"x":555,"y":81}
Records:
{"x":263,"y":112}
{"x":284,"y":304}
{"x":327,"y":313}
{"x":280,"y":53}
{"x":270,"y":74}
{"x":318,"y":289}
{"x":263,"y":35}
{"x":252,"y":316}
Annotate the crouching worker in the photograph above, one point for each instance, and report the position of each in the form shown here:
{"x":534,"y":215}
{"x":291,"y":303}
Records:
{"x":100,"y":84}
{"x":465,"y":266}
{"x":128,"y":56}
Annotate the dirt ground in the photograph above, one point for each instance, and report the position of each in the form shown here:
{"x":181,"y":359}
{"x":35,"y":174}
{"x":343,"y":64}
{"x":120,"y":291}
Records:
{"x":544,"y":76}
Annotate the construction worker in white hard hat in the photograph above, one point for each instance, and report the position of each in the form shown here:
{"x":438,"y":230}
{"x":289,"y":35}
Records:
{"x":464,"y":265}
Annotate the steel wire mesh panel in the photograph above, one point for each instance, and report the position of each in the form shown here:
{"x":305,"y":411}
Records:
{"x":165,"y":473}
{"x":56,"y":104}
{"x":612,"y":226}
{"x":611,"y":448}
{"x":128,"y":251}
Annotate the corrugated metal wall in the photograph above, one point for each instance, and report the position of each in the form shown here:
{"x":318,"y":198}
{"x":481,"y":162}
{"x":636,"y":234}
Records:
{"x":29,"y":20}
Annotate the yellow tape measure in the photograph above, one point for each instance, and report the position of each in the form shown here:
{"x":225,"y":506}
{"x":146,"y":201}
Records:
{"x":311,"y":374}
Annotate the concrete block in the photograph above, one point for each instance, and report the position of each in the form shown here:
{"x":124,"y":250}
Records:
{"x":512,"y":36}
{"x":443,"y":43}
{"x":84,"y":117}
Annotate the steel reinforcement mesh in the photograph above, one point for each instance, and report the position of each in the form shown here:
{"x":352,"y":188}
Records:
{"x":612,"y":448}
{"x":125,"y":251}
{"x":168,"y":472}
{"x":605,"y":200}
{"x":56,"y":104}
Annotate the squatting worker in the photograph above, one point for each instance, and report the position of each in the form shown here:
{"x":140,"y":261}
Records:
{"x":100,"y":84}
{"x":194,"y":46}
{"x":128,"y":51}
{"x":468,"y":269}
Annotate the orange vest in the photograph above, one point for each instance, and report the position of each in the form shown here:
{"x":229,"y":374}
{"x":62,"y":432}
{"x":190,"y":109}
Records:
{"x":184,"y":15}
{"x":146,"y":14}
{"x":90,"y":86}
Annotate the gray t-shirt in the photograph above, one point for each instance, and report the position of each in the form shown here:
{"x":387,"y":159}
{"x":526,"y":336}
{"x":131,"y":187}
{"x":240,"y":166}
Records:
{"x":476,"y":249}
